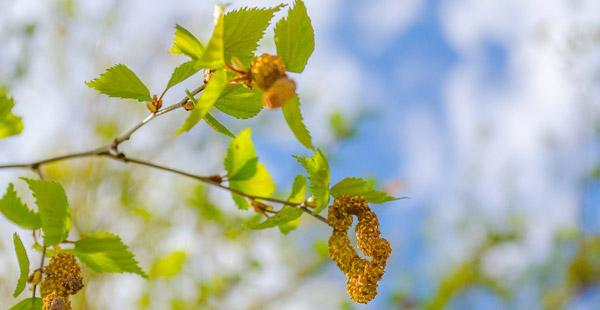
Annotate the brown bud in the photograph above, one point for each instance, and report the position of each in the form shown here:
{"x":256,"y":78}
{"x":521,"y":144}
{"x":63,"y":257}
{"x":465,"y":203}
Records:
{"x":216,"y":178}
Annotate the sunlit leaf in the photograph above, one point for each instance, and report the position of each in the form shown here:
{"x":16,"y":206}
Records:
{"x":207,"y":99}
{"x":285,"y":215}
{"x":183,"y":72}
{"x":297,"y":196}
{"x":105,"y":252}
{"x":319,"y":177}
{"x":243,"y":29}
{"x":359,"y":187}
{"x":53,"y":209}
{"x":295,"y":38}
{"x":168,"y":266}
{"x":10,"y":124}
{"x":213,"y":56}
{"x":23,"y":264}
{"x":119,"y":81}
{"x":186,"y":43}
{"x":244,"y":171}
{"x":18,"y":212}
{"x":240,"y":102}
{"x":293,"y":116}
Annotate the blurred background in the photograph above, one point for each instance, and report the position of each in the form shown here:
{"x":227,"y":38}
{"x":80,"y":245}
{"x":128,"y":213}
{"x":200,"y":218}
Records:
{"x":484,"y":113}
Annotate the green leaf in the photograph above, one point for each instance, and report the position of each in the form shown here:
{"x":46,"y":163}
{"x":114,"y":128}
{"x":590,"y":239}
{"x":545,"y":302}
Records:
{"x":186,"y":43}
{"x":240,"y":101}
{"x":23,"y":264}
{"x":213,"y":56}
{"x":17,"y":212}
{"x":359,"y":187}
{"x":285,"y":215}
{"x":53,"y":208}
{"x":28,"y":304}
{"x":105,"y":252}
{"x":183,"y":72}
{"x":293,"y":116}
{"x":297,"y":196}
{"x":319,"y":176}
{"x":207,"y":99}
{"x":241,"y":160}
{"x":295,"y":38}
{"x":10,"y":124}
{"x":119,"y":81}
{"x":288,"y":218}
{"x":244,"y":171}
{"x":298,"y":190}
{"x":168,"y":266}
{"x":217,"y":126}
{"x":243,"y":29}
{"x":49,"y":252}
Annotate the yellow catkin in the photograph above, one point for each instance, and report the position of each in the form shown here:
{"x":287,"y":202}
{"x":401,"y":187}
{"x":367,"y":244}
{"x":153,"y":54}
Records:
{"x":54,"y":301}
{"x":63,"y":276}
{"x":362,"y":274}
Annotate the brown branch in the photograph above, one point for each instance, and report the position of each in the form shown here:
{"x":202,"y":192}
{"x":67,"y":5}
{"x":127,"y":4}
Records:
{"x":208,"y":180}
{"x":111,"y":151}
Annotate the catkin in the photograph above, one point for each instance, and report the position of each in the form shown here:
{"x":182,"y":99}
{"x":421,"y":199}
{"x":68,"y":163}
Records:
{"x":63,"y":278}
{"x":362,"y":274}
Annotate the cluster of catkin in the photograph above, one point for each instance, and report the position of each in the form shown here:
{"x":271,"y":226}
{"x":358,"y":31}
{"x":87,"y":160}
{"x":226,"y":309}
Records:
{"x":63,"y":278}
{"x":362,"y":274}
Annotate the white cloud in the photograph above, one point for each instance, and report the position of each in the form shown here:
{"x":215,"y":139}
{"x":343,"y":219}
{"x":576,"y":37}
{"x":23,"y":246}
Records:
{"x":380,"y":21}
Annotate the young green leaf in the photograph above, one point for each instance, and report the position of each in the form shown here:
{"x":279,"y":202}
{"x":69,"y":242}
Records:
{"x":10,"y":124}
{"x":183,"y":72}
{"x":23,"y":264}
{"x":243,"y":29}
{"x":285,"y":215}
{"x":169,"y":266}
{"x":240,"y":102}
{"x":213,"y":56}
{"x":241,"y":160}
{"x":53,"y":208}
{"x":18,"y":212}
{"x":359,"y":187}
{"x":186,"y":43}
{"x":28,"y":304}
{"x":319,"y":177}
{"x":119,"y":81}
{"x":297,"y":195}
{"x":293,"y":116}
{"x":217,"y":126}
{"x":207,"y":99}
{"x":105,"y":252}
{"x":244,"y":171}
{"x":288,"y":218}
{"x":295,"y":38}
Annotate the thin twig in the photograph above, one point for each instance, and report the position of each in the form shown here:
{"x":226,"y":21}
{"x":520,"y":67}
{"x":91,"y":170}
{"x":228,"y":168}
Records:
{"x":126,"y":136}
{"x":111,"y":151}
{"x":125,"y":159}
